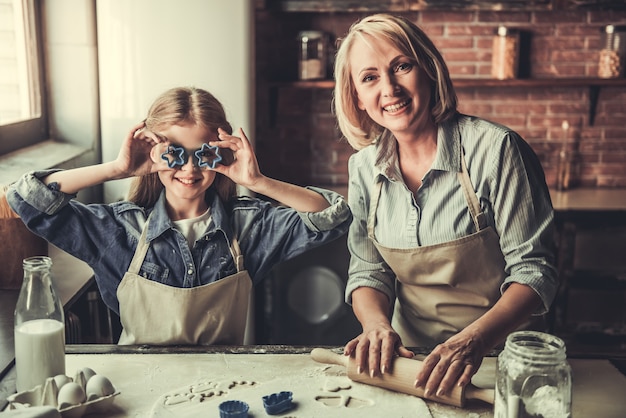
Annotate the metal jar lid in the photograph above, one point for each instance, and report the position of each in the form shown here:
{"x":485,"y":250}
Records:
{"x":614,"y":28}
{"x":504,"y":31}
{"x":311,"y":35}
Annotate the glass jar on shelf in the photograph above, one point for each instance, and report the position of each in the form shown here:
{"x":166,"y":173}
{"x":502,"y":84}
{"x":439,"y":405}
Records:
{"x":505,"y":54}
{"x":613,"y":53}
{"x":313,"y":58}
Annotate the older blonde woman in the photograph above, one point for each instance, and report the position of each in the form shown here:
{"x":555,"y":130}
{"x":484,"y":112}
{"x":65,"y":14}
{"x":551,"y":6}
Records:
{"x":452,"y":236}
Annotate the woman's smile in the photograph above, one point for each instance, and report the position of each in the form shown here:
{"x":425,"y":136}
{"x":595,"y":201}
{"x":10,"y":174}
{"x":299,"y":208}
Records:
{"x":393,"y":108}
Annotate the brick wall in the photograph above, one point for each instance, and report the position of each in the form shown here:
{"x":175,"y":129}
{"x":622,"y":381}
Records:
{"x":297,"y":139}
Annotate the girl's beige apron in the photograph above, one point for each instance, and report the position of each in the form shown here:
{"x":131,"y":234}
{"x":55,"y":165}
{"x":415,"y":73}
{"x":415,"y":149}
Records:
{"x":442,"y":288}
{"x":154,"y":313}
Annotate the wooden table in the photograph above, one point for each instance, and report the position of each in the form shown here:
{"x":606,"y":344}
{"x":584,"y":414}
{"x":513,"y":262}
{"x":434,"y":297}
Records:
{"x":144,"y":374}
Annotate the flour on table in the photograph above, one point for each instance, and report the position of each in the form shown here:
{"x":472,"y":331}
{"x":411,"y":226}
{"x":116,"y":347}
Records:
{"x":317,"y":392}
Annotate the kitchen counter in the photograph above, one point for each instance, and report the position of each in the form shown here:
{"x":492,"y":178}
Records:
{"x":76,"y":276}
{"x":147,"y":377}
{"x":585,"y":199}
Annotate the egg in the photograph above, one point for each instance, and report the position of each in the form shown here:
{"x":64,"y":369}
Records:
{"x":61,"y":379}
{"x":99,"y":386}
{"x":70,"y":394}
{"x":87,"y":372}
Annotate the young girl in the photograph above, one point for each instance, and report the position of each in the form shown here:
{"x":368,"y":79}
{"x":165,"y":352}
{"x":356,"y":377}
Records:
{"x":178,"y":260}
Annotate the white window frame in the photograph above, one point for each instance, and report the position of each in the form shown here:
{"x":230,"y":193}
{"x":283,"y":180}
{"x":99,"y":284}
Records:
{"x":25,"y":133}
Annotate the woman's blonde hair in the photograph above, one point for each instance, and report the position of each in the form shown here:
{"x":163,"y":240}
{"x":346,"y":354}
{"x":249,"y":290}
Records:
{"x":184,"y":105}
{"x":358,"y":128}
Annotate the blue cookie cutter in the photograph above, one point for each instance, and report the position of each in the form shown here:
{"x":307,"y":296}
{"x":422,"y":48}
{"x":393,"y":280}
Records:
{"x":234,"y":409}
{"x":174,"y":156}
{"x":277,"y":403}
{"x":208,"y":149}
{"x":206,"y":156}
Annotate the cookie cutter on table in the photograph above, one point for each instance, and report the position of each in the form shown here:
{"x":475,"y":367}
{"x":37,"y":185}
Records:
{"x":277,"y":403}
{"x":234,"y":409}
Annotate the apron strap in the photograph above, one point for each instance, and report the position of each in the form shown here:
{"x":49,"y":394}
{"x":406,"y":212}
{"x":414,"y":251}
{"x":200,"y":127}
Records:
{"x":235,"y":251}
{"x":141,"y":251}
{"x":371,"y":217}
{"x":470,"y":195}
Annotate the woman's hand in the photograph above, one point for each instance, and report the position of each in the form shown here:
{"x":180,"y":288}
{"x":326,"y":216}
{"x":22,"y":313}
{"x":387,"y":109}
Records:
{"x":244,"y":170}
{"x":375,"y":348}
{"x":134,"y":157}
{"x":453,"y":362}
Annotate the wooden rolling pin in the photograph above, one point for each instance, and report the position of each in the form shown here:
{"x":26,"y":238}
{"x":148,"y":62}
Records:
{"x":402,"y":379}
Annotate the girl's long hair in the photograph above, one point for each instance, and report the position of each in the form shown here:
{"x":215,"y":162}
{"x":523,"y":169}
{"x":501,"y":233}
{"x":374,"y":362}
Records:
{"x":184,"y":105}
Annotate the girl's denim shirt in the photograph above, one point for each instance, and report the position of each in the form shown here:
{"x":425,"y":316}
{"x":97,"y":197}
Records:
{"x":105,"y":236}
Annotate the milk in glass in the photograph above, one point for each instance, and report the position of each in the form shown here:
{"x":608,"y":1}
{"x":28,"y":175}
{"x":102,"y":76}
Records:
{"x":39,"y":352}
{"x":39,"y":327}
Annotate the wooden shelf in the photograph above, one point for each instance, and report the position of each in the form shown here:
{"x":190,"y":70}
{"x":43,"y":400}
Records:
{"x":593,"y":84}
{"x":389,"y":6}
{"x":371,"y":6}
{"x":482,"y":82}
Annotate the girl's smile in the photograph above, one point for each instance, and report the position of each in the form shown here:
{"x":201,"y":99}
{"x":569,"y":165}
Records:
{"x":186,"y":184}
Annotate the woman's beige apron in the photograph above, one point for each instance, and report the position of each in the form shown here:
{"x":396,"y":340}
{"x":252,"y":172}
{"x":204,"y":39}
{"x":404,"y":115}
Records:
{"x":154,"y":313}
{"x":442,"y":288}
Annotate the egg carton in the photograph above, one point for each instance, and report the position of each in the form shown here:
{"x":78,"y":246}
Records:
{"x":47,"y":395}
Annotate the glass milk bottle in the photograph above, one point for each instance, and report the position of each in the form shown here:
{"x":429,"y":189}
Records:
{"x":533,"y":377}
{"x":39,"y":326}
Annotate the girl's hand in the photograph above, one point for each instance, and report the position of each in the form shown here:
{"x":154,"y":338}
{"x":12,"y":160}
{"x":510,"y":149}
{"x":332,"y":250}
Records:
{"x":453,"y":362}
{"x":375,"y":348}
{"x":244,"y":170}
{"x":134,"y":156}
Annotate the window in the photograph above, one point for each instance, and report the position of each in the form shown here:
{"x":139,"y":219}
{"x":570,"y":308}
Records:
{"x":22,"y":109}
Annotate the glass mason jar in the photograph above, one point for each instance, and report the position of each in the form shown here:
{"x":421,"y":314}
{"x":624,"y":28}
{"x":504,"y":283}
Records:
{"x":533,"y":377}
{"x":39,"y":326}
{"x":613,"y":54}
{"x":505,"y":54}
{"x":312,"y":62}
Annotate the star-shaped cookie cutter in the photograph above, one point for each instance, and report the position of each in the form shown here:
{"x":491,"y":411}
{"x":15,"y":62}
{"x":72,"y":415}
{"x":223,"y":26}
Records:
{"x":171,"y":158}
{"x":208,"y":156}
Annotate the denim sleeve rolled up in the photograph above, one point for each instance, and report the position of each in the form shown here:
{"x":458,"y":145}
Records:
{"x":105,"y":236}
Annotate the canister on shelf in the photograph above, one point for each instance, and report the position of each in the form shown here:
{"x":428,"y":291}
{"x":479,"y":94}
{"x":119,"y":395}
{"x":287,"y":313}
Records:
{"x":505,"y":53}
{"x":613,"y":54}
{"x":312,"y":62}
{"x":568,"y":161}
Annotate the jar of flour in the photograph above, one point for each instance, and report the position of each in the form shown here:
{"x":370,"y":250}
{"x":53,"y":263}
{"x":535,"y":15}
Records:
{"x":533,"y":377}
